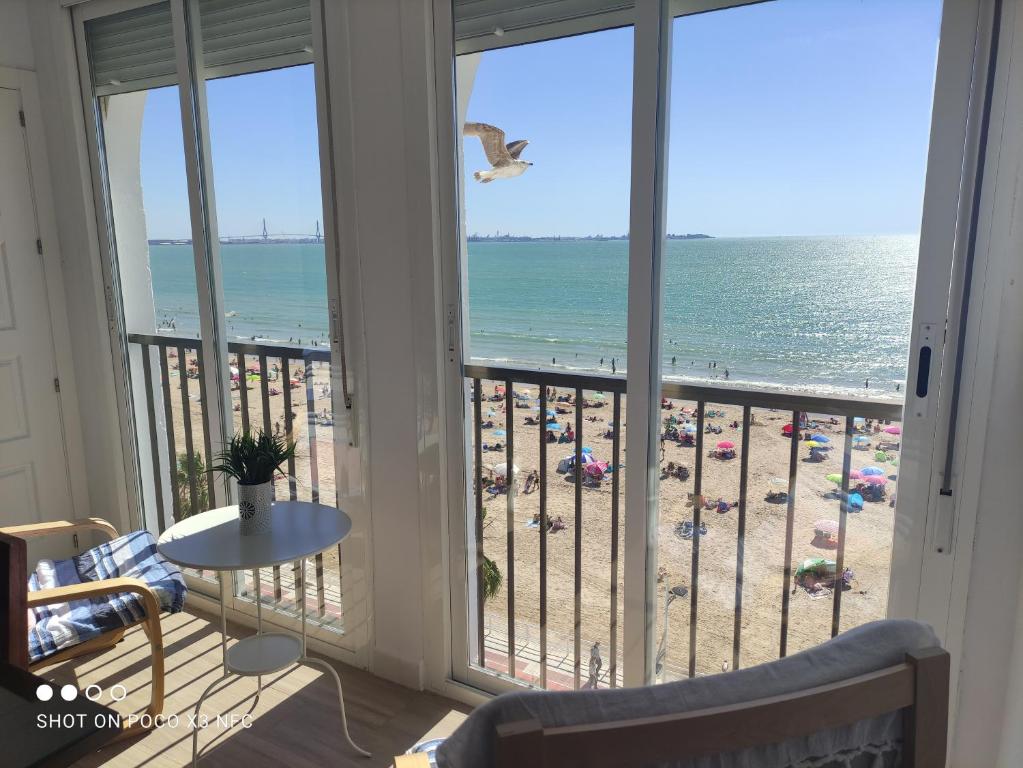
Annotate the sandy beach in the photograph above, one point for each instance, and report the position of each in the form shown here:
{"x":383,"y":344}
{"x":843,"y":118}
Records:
{"x":868,"y":545}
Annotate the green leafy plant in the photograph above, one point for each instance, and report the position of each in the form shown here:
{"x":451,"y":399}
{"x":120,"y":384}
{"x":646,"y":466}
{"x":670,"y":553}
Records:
{"x":187,"y":468}
{"x":492,"y":578}
{"x":254,"y":459}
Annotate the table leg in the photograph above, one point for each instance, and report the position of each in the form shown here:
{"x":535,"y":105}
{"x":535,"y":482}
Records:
{"x":223,"y":620}
{"x":326,"y":666}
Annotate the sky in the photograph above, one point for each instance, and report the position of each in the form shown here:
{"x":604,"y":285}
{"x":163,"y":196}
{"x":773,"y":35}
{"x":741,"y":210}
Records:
{"x":795,"y":117}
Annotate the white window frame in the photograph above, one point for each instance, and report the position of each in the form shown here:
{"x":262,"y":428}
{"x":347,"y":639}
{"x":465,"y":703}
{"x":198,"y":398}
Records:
{"x":192,"y":75}
{"x":921,"y":582}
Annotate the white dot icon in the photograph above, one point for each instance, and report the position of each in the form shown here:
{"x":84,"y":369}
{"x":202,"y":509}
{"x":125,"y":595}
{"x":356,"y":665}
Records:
{"x":69,"y":693}
{"x":44,"y":692}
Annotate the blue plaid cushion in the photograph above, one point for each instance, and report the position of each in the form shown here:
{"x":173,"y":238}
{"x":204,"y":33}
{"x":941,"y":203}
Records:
{"x":53,"y":628}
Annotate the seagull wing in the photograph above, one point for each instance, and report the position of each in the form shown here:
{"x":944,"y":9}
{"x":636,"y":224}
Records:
{"x":492,"y":139}
{"x":515,"y":147}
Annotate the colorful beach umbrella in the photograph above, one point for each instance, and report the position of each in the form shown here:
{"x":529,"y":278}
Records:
{"x":787,"y":429}
{"x":876,"y":480}
{"x":861,"y":439}
{"x":689,"y":429}
{"x":834,"y":478}
{"x":819,"y":438}
{"x":502,"y":469}
{"x":855,"y":501}
{"x":855,"y":474}
{"x":893,"y":430}
{"x":880,"y":455}
{"x":813,"y":444}
{"x":869,"y":471}
{"x":726,"y":445}
{"x":499,"y":433}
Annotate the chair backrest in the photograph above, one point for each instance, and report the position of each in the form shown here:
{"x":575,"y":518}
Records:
{"x":918,"y":687}
{"x":13,"y":608}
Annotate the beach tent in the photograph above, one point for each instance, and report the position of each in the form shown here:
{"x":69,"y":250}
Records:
{"x":567,"y":464}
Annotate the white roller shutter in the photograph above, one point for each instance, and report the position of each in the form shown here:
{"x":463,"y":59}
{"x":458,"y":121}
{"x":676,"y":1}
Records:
{"x":134,"y":50}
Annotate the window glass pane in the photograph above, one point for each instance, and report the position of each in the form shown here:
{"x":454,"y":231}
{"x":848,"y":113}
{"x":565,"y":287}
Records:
{"x":547,"y":261}
{"x":798,"y":146}
{"x":264,"y":147}
{"x":144,"y":165}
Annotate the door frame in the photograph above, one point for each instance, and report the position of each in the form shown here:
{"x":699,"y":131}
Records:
{"x":197,"y":151}
{"x":26,"y":84}
{"x":921,"y":585}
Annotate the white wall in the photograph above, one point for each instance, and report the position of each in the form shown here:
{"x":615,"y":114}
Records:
{"x":63,"y":125}
{"x":15,"y":39}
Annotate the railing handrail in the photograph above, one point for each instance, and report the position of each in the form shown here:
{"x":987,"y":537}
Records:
{"x":724,"y":395}
{"x":314,"y":354}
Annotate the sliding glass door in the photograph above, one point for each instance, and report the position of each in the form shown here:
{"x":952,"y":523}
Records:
{"x":206,"y":145}
{"x":756,"y":312}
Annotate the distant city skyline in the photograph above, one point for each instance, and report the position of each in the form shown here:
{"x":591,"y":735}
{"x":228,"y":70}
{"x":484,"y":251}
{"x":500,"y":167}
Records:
{"x":787,"y":118}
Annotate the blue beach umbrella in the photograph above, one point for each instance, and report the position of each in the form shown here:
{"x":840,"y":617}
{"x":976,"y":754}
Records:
{"x":587,"y":450}
{"x":554,"y":427}
{"x":499,"y":433}
{"x":855,"y":501}
{"x":861,"y":439}
{"x":820,"y":438}
{"x":868,"y":471}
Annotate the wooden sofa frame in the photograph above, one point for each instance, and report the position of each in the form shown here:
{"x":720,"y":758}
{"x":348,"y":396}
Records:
{"x":13,"y":560}
{"x":918,"y":687}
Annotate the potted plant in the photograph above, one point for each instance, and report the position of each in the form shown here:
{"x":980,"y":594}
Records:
{"x":252,"y":460}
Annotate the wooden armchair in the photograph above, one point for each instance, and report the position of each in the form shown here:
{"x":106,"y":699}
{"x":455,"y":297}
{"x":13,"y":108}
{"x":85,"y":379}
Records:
{"x":18,"y":600}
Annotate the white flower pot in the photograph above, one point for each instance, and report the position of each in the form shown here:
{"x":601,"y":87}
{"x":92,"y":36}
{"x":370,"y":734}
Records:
{"x":254,"y":507}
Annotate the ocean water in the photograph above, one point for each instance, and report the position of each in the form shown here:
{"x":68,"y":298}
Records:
{"x":824,"y":314}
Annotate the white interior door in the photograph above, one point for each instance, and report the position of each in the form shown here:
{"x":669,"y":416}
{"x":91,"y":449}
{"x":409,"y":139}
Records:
{"x":34,"y":481}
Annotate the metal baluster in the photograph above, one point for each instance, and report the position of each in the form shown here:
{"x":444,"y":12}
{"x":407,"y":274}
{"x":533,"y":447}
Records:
{"x":204,"y":409}
{"x":578,"y":585}
{"x":289,"y":426}
{"x":509,"y":458}
{"x":843,"y":514}
{"x":543,"y":534}
{"x":615,"y":484}
{"x":740,"y":543}
{"x":243,"y":391}
{"x":477,"y":422}
{"x":186,"y":417}
{"x":172,"y":451}
{"x":694,"y":591}
{"x":310,"y":408}
{"x":321,"y":591}
{"x":790,"y":520}
{"x":154,"y":449}
{"x":264,"y":399}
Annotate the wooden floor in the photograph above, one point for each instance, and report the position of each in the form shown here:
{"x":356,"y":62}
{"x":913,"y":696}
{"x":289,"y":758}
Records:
{"x":296,"y":722}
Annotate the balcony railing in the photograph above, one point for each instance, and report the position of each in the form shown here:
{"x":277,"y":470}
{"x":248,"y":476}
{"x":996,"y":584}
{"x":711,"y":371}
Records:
{"x":288,"y":372}
{"x":515,"y":655}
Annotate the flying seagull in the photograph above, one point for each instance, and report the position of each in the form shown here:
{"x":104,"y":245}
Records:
{"x":504,"y":158}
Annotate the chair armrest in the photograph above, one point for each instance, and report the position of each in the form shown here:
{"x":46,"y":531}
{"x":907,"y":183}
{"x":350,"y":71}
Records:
{"x":96,"y":588}
{"x":36,"y":530}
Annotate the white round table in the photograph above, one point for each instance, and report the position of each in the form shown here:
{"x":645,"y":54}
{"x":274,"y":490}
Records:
{"x":212,"y":541}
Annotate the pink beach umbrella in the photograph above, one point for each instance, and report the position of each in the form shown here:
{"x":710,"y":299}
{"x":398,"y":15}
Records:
{"x":876,"y":480}
{"x":855,"y":474}
{"x":726,"y":445}
{"x":893,"y":430}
